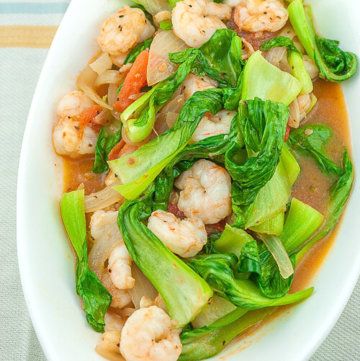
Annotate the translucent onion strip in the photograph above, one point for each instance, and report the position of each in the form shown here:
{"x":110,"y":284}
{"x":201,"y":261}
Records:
{"x":102,"y":199}
{"x":86,"y":83}
{"x":277,"y":249}
{"x":101,"y":64}
{"x":159,"y":65}
{"x":109,"y":77}
{"x":142,"y":287}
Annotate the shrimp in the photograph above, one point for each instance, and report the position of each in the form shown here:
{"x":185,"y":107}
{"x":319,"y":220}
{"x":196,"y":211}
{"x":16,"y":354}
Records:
{"x":122,"y":31}
{"x":185,"y":237}
{"x":299,"y":108}
{"x":205,"y":192}
{"x":109,"y":343}
{"x":70,"y":136}
{"x":108,"y":257}
{"x":149,"y":335}
{"x":211,"y":125}
{"x":195,"y":21}
{"x":260,"y":15}
{"x":120,"y":268}
{"x":194,"y":83}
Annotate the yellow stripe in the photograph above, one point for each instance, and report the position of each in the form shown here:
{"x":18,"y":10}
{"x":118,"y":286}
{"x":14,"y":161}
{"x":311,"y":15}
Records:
{"x":23,"y":36}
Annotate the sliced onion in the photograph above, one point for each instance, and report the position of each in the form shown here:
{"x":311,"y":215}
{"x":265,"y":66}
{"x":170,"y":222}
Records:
{"x":101,"y":64}
{"x":112,"y":94}
{"x":103,"y":117}
{"x":102,"y":199}
{"x":154,"y":6}
{"x":159,"y":66}
{"x":109,"y":77}
{"x":142,"y":287}
{"x":275,"y":55}
{"x":277,"y":249}
{"x":86,"y":83}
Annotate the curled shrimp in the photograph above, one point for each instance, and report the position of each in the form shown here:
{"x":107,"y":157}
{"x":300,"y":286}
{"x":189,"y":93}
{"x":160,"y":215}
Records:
{"x":185,"y":237}
{"x":119,"y":268}
{"x":70,"y":136}
{"x":195,"y":21}
{"x":108,"y":257}
{"x":211,"y":125}
{"x":122,"y":31}
{"x":149,"y":335}
{"x":194,"y":83}
{"x":205,"y":192}
{"x":109,"y":343}
{"x":260,"y":15}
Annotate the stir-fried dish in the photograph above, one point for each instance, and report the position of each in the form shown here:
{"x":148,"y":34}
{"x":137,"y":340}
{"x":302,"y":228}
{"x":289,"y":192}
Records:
{"x":205,"y":154}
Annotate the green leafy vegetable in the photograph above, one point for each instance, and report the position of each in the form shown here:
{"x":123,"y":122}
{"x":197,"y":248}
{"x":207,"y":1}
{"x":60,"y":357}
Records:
{"x":339,"y":195}
{"x":139,"y":117}
{"x":334,"y":64}
{"x":209,"y":148}
{"x":202,"y":343}
{"x":262,"y":125}
{"x":217,"y":270}
{"x":295,"y":59}
{"x":312,"y":140}
{"x":137,"y":50}
{"x":106,"y":141}
{"x":165,"y":25}
{"x":273,"y":225}
{"x":219,"y":58}
{"x":95,"y":296}
{"x":183,"y":291}
{"x":274,"y":196}
{"x":265,"y":81}
{"x":221,"y":63}
{"x":138,"y":169}
{"x":216,"y":308}
{"x":232,"y":240}
{"x":301,"y":222}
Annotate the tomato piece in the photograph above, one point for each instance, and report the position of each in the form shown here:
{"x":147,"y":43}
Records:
{"x":134,"y":81}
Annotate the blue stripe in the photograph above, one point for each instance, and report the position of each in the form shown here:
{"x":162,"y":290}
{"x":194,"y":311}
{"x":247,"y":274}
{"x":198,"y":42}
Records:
{"x":33,"y":8}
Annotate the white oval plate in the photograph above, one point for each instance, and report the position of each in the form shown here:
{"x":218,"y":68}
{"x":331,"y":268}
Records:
{"x":46,"y":261}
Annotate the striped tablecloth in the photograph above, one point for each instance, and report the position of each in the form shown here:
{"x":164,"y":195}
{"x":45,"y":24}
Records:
{"x":26,"y":31}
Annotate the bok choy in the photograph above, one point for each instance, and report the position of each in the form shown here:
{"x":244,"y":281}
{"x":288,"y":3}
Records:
{"x":295,"y":60}
{"x":217,"y":270}
{"x":184,"y":292}
{"x":265,"y":81}
{"x":139,"y":169}
{"x":334,"y":64}
{"x":202,"y":343}
{"x":96,"y":298}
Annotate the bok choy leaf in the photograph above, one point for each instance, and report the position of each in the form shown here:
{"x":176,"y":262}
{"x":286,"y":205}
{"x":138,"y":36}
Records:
{"x":137,"y":50}
{"x":106,"y":141}
{"x":217,"y":270}
{"x":339,"y":195}
{"x":202,"y":343}
{"x":312,"y":140}
{"x":139,"y":117}
{"x":139,"y":169}
{"x":334,"y":64}
{"x":96,"y":298}
{"x":219,"y":58}
{"x":295,"y":60}
{"x":265,"y":81}
{"x":262,"y":126}
{"x":183,"y":291}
